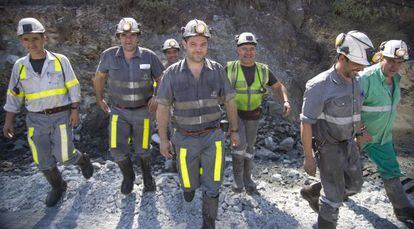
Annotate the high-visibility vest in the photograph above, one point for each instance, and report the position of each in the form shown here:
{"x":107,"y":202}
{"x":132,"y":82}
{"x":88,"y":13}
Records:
{"x":46,"y":93}
{"x":248,"y":98}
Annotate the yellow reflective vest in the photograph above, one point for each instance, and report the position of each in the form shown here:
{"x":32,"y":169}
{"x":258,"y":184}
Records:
{"x":248,"y":98}
{"x":56,"y":86}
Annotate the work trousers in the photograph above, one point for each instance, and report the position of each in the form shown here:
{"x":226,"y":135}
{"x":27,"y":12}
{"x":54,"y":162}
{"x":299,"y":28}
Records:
{"x":200,"y":160}
{"x":247,"y":134}
{"x":129,"y":130}
{"x":50,"y":139}
{"x":341,"y":175}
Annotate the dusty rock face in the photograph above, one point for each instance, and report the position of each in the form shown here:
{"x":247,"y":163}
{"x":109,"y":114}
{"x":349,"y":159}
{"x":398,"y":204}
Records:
{"x":403,"y":130}
{"x":295,"y":39}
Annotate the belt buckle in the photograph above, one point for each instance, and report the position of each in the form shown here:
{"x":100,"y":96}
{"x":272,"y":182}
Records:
{"x":47,"y":112}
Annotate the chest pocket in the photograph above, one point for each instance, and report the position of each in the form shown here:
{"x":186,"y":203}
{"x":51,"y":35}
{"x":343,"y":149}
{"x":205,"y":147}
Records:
{"x":181,"y":90}
{"x":145,"y":71}
{"x":114,"y":68}
{"x":340,"y":107}
{"x":214,"y":87}
{"x":55,"y":78}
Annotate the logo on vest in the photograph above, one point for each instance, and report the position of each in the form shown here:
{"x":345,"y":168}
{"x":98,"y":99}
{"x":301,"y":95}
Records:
{"x":214,"y":94}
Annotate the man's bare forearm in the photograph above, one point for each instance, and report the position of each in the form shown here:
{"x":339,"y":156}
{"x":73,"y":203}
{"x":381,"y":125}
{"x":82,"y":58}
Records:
{"x":163,"y":116}
{"x":99,"y":84}
{"x":306,"y":137}
{"x":231,"y":110}
{"x":281,"y":92}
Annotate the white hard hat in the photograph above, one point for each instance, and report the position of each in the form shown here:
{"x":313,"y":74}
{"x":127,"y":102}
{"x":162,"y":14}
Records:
{"x":170,"y":43}
{"x":196,"y":27}
{"x":29,"y":25}
{"x":394,"y":49}
{"x":356,"y":46}
{"x":246,"y":38}
{"x":128,"y":24}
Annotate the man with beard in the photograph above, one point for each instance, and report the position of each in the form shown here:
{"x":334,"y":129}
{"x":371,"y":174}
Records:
{"x":330,"y":120}
{"x":195,"y":87}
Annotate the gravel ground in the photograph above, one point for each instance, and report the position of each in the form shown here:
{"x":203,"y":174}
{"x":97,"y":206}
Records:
{"x":98,"y":203}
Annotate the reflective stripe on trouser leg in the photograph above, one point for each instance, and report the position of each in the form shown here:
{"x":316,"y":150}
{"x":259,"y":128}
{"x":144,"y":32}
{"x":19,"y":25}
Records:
{"x":63,"y":142}
{"x":145,"y":134}
{"x":114,"y":122}
{"x":217,"y":164}
{"x":32,"y":145}
{"x":183,"y":168}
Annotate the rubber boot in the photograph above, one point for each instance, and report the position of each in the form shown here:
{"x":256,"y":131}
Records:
{"x":189,"y":195}
{"x":325,"y":224}
{"x":210,"y":207}
{"x":405,"y":214}
{"x":402,"y":207}
{"x":312,"y":193}
{"x":129,"y":176}
{"x":149,"y":183}
{"x":238,"y":168}
{"x":249,"y":184}
{"x":54,"y":178}
{"x":85,"y":165}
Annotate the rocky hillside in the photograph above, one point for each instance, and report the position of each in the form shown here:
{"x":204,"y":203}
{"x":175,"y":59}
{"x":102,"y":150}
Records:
{"x":295,"y":39}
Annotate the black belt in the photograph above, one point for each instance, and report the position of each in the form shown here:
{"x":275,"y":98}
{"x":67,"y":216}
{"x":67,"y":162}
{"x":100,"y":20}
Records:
{"x":130,"y":108}
{"x":196,"y":132}
{"x":54,"y":110}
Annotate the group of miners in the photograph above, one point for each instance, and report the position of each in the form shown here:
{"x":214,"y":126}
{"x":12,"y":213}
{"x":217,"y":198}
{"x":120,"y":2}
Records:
{"x":341,"y":115}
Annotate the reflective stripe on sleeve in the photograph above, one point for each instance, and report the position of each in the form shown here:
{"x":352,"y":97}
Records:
{"x":114,"y":122}
{"x":377,"y":108}
{"x":71,"y":83}
{"x":145,"y":134}
{"x":217,"y":164}
{"x":64,"y":142}
{"x":201,"y":171}
{"x":340,"y":120}
{"x":32,"y":145}
{"x":183,"y":167}
{"x":47,"y":93}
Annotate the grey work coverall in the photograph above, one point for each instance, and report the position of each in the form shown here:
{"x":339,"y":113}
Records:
{"x":130,"y":87}
{"x":197,"y":140}
{"x":333,"y":107}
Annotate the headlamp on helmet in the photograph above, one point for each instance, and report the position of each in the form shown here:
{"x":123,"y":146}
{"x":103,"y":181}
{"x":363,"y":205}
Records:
{"x":170,"y":43}
{"x":395,"y":49}
{"x":357,"y":47}
{"x":245,"y":38}
{"x":128,"y":25}
{"x":196,"y":27}
{"x":29,"y":25}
